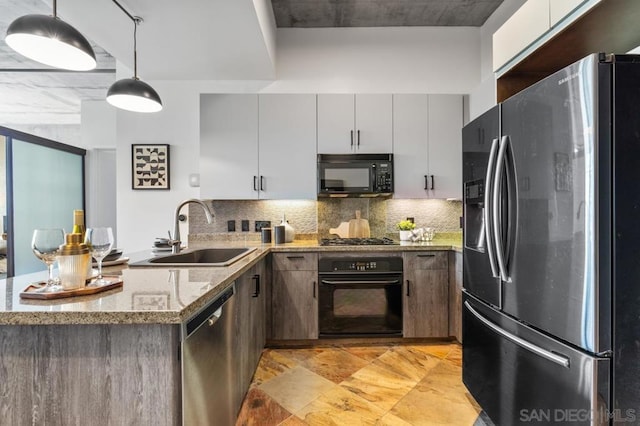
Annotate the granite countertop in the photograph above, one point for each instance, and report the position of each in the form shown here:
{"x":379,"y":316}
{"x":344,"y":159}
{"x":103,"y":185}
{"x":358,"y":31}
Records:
{"x":160,"y":295}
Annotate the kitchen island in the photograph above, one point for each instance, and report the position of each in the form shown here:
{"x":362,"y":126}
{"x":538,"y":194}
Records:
{"x":115,"y":357}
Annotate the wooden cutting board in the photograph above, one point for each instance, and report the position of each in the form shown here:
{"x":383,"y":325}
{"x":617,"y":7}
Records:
{"x":342,"y":230}
{"x":358,"y":227}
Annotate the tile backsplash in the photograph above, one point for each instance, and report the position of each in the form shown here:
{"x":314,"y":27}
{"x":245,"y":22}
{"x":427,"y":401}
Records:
{"x":301,"y":214}
{"x":333,"y":211}
{"x":312,"y":218}
{"x":442,"y":215}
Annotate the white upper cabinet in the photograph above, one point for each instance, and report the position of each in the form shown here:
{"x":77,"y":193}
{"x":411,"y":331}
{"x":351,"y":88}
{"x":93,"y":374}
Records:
{"x":526,"y":25}
{"x":228,"y":147}
{"x":535,"y":23}
{"x":287,"y":146}
{"x":336,"y":124}
{"x":559,"y":9}
{"x":445,"y":146}
{"x":427,"y":146}
{"x":257,"y":146}
{"x":374,"y":124}
{"x":410,"y":145}
{"x":350,"y":124}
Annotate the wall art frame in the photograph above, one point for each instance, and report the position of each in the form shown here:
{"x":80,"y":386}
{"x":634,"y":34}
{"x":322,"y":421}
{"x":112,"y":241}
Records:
{"x":150,"y":166}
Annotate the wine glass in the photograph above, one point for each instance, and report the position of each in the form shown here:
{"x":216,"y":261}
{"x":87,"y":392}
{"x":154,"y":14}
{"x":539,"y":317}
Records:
{"x":100,"y":242}
{"x":46,"y":246}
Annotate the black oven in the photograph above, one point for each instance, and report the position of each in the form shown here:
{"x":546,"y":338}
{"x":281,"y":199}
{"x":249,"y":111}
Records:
{"x":352,"y":175}
{"x":360,"y":297}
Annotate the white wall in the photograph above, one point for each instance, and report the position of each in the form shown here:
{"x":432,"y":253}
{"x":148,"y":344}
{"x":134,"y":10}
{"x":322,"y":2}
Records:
{"x":98,"y":125}
{"x":267,"y":22}
{"x":382,"y":60}
{"x":98,"y":132}
{"x":483,"y":96}
{"x":362,"y":60}
{"x":144,"y":215}
{"x":69,"y":134}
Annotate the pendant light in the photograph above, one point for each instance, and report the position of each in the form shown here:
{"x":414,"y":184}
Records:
{"x":133,"y":94}
{"x":51,"y":41}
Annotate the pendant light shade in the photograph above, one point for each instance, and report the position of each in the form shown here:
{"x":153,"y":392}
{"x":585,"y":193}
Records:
{"x":135,"y":95}
{"x":51,"y":41}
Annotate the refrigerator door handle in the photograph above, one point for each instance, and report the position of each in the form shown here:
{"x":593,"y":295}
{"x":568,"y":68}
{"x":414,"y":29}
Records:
{"x":488,"y":185}
{"x":497,"y":200}
{"x":551,"y":356}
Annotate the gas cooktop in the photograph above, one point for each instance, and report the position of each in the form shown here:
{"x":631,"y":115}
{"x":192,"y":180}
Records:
{"x":357,"y":242}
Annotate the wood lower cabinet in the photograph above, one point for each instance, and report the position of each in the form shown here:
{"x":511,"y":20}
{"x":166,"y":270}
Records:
{"x":250,"y":324}
{"x":426,"y":294}
{"x":91,"y":374}
{"x":294,"y":296}
{"x":455,"y":295}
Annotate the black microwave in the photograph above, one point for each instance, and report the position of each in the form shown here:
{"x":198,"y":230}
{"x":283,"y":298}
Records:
{"x":355,"y":175}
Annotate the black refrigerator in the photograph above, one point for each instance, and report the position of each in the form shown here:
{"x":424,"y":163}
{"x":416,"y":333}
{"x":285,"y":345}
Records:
{"x":551,"y":299}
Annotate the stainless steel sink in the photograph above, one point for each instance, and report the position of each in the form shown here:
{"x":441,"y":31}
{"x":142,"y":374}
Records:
{"x":201,"y":257}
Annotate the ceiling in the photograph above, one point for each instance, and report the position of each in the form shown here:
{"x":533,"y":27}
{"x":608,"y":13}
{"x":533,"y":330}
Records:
{"x":37,"y":94}
{"x":382,"y":13}
{"x":232,"y":40}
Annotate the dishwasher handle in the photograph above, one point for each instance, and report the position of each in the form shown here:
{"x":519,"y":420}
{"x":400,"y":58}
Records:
{"x":211,"y":313}
{"x":215,"y":317}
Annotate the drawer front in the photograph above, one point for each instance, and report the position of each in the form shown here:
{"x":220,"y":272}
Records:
{"x":295,"y":261}
{"x":426,"y":260}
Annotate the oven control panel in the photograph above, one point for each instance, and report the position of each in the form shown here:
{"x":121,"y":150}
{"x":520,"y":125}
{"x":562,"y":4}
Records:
{"x":380,"y":264}
{"x":363,"y":266}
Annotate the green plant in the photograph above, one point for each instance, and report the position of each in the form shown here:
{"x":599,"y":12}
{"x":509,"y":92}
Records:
{"x":405,"y":225}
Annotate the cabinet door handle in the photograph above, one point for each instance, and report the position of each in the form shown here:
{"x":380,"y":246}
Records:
{"x":255,"y":183}
{"x":426,"y":182}
{"x":295,"y":257}
{"x":256,"y":280}
{"x":358,"y":138}
{"x":426,"y":255}
{"x":262,"y":183}
{"x":432,"y":179}
{"x":408,"y":286}
{"x":352,"y":139}
{"x":315,"y":284}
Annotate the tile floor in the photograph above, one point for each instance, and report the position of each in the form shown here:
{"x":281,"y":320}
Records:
{"x":387,"y":385}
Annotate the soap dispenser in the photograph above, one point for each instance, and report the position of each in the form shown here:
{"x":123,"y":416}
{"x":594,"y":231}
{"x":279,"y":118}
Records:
{"x":289,"y":232}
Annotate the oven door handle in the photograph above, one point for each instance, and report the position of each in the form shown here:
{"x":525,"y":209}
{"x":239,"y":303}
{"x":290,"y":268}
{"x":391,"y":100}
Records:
{"x":368,"y":282}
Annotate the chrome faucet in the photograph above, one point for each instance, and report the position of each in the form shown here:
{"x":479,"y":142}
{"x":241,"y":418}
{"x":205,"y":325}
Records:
{"x":174,"y":240}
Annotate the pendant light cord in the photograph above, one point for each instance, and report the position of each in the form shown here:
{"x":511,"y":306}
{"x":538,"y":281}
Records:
{"x":136,"y":21}
{"x":135,"y":49}
{"x":55,"y":8}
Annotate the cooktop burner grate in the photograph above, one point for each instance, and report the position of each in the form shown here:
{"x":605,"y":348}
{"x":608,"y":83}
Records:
{"x":357,"y":242}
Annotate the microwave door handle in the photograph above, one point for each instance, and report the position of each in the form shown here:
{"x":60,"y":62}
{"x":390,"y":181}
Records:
{"x":498,"y":184}
{"x":488,"y":213}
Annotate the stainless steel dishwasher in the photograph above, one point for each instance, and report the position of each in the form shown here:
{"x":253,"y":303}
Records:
{"x":208,"y":376}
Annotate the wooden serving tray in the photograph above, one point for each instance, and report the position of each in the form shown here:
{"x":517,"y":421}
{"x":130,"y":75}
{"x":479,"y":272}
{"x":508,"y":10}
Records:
{"x":30,"y":291}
